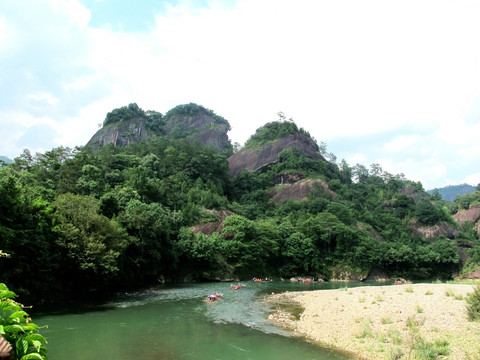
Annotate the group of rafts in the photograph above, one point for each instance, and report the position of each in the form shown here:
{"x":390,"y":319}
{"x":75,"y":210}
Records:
{"x":217,"y":296}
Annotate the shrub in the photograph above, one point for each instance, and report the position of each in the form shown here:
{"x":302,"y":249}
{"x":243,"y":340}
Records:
{"x":123,"y":113}
{"x":473,"y":304}
{"x":449,"y":292}
{"x":192,"y":109}
{"x":386,"y":320}
{"x":427,"y":213}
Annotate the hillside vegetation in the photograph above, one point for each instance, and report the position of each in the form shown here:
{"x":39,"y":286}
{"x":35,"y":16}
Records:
{"x":81,"y":220}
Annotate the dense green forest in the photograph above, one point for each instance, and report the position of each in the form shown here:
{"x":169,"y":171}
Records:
{"x":77,"y":220}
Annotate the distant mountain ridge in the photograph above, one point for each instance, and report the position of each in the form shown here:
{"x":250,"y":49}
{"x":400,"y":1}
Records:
{"x":450,"y":192}
{"x":5,"y":159}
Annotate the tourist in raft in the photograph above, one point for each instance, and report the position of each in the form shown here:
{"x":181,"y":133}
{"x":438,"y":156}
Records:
{"x":211,"y":297}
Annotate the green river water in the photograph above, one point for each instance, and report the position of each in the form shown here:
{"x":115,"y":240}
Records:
{"x":172,"y":322}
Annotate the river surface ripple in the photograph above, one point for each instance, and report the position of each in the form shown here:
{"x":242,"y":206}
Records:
{"x":172,"y":322}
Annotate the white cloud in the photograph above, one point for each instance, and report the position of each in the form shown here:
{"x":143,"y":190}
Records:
{"x":79,"y":83}
{"x":402,"y":142}
{"x":473,"y":179}
{"x":15,"y":124}
{"x":2,"y":29}
{"x":43,"y":96}
{"x":79,"y":129}
{"x":72,"y":10}
{"x":341,"y":69}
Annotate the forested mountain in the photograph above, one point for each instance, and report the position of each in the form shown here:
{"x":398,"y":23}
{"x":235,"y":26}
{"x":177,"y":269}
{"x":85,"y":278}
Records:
{"x":449,"y":193}
{"x":173,"y":205}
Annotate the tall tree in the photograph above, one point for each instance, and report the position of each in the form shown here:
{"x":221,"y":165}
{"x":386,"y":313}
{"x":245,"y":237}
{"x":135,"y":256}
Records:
{"x":90,"y":243}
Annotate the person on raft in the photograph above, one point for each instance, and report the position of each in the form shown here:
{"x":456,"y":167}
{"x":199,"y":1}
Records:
{"x":211,"y":297}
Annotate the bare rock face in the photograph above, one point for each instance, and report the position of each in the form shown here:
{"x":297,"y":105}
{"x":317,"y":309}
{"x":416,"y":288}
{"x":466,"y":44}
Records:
{"x":414,"y":193}
{"x":474,"y":275}
{"x":256,"y":159}
{"x":472,"y":214}
{"x":287,"y":178}
{"x":341,"y":273}
{"x":216,"y":226}
{"x":121,"y":133}
{"x":199,"y":127}
{"x":436,"y":230}
{"x":299,"y":190}
{"x":377,"y":275}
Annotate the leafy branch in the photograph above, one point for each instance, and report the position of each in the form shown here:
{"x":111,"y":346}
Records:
{"x":18,"y":330}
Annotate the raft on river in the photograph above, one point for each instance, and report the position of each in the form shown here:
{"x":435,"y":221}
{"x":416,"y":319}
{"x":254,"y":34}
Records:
{"x":213,"y":297}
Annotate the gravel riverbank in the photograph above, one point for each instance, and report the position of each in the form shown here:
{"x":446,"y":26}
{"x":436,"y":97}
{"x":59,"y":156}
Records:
{"x":385,"y":322}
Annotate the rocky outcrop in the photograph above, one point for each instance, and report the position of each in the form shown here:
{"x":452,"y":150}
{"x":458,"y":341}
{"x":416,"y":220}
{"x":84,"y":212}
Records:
{"x":474,"y":275}
{"x":347,"y":273}
{"x":472,"y":215}
{"x":436,"y":230}
{"x":199,"y":127}
{"x":377,"y":275}
{"x":292,"y":178}
{"x":414,"y":193}
{"x":215,"y":226}
{"x":122,"y":133}
{"x":300,"y":190}
{"x":254,"y":159}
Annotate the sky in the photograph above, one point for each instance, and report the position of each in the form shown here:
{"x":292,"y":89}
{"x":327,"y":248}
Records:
{"x":396,"y":83}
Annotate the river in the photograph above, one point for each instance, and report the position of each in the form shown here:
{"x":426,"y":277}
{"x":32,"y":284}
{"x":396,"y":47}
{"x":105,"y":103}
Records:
{"x":171,"y":322}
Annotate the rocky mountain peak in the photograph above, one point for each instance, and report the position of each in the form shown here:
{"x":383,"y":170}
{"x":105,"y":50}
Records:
{"x":255,"y":158}
{"x":130,"y":124}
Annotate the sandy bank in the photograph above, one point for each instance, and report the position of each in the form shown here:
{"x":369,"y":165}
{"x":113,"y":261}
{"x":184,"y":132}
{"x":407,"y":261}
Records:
{"x":372,"y":322}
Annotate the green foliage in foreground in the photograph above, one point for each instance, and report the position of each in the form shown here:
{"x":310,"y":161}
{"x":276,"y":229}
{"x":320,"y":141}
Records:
{"x":419,"y":348}
{"x":473,"y":304}
{"x":18,"y":329}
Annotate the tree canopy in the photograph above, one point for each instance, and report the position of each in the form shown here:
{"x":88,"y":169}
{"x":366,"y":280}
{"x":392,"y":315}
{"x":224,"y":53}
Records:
{"x":84,"y":220}
{"x":272,"y":131}
{"x":123,"y":113}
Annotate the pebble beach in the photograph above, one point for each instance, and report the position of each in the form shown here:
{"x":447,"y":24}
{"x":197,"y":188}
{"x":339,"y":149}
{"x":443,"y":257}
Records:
{"x":384,"y":322}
